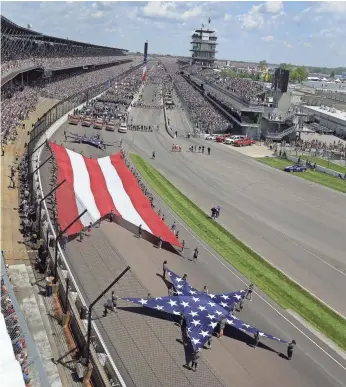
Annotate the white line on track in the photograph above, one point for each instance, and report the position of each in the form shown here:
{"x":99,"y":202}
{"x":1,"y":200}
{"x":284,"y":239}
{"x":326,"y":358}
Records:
{"x":263,"y":299}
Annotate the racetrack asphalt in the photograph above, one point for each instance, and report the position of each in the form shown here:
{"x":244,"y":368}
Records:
{"x":234,"y":361}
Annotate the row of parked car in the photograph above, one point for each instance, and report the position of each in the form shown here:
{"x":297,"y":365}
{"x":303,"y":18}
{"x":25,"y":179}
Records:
{"x":235,"y":140}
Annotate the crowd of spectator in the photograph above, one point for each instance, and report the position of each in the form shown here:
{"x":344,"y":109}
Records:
{"x":247,"y":89}
{"x":57,"y":62}
{"x":321,"y":148}
{"x":203,"y":114}
{"x":14,"y":331}
{"x":18,"y":101}
{"x":114,"y":102}
{"x":62,"y":86}
{"x":201,"y":111}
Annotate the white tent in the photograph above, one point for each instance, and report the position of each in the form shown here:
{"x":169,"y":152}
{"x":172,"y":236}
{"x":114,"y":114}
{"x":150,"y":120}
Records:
{"x":10,"y":370}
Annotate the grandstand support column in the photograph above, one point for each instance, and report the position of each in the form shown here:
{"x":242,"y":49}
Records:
{"x":40,"y":207}
{"x":57,"y":241}
{"x":90,"y":311}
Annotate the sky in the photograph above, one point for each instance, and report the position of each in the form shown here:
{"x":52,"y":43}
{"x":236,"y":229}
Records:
{"x":301,"y":33}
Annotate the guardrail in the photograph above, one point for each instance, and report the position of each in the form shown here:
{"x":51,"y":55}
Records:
{"x":42,"y":131}
{"x":19,"y":333}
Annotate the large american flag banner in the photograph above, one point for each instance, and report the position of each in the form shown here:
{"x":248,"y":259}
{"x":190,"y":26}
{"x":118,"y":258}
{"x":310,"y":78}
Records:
{"x":202,"y":311}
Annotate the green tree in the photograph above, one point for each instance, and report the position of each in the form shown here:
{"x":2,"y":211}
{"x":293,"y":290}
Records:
{"x":299,"y":74}
{"x":332,"y":75}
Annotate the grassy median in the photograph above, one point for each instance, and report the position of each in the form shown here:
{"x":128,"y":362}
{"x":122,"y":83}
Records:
{"x":270,"y":280}
{"x":314,"y":176}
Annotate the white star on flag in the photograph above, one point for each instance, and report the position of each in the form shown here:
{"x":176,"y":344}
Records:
{"x":195,"y":341}
{"x":237,"y":296}
{"x":192,"y":292}
{"x":195,"y":322}
{"x":193,"y":314}
{"x":179,"y":286}
{"x":211,"y":303}
{"x":172,"y":303}
{"x":246,"y":325}
{"x":143,"y":302}
{"x":213,"y":324}
{"x":159,"y":307}
{"x":196,"y":299}
{"x":204,"y":333}
{"x":211,"y":316}
{"x":201,"y":308}
{"x":211,"y":295}
{"x":218,"y":312}
{"x":230,"y":322}
{"x":225,"y":297}
{"x":184,"y":304}
{"x":176,"y":313}
{"x":179,"y":293}
{"x":158,"y":298}
{"x":261,"y":334}
{"x":224,"y":304}
{"x":179,"y":279}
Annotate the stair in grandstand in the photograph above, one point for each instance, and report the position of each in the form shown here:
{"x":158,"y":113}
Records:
{"x":281,"y":135}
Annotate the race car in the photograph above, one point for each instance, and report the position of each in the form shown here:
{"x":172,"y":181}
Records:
{"x":87,"y":121}
{"x":295,"y":168}
{"x":98,"y":124}
{"x":73,"y":119}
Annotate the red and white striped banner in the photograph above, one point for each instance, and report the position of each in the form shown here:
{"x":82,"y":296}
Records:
{"x":101,"y":185}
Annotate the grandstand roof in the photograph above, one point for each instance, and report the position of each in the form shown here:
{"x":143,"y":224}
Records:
{"x":8,"y":24}
{"x":337,"y":114}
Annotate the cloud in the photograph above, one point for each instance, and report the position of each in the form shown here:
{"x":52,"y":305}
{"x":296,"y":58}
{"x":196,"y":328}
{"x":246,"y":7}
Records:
{"x":274,"y":6}
{"x":167,"y":10}
{"x":268,"y":38}
{"x":97,"y":14}
{"x":257,"y":16}
{"x":307,"y":45}
{"x":227,"y":17}
{"x":332,"y":7}
{"x":288,"y":45}
{"x":301,"y":15}
{"x":252,"y":19}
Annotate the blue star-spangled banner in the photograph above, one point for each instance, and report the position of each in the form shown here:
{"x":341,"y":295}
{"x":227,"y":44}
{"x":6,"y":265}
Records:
{"x":226,"y":300}
{"x":201,"y":313}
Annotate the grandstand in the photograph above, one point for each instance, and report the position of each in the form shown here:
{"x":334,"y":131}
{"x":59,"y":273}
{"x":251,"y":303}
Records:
{"x":23,"y":49}
{"x":35,"y":65}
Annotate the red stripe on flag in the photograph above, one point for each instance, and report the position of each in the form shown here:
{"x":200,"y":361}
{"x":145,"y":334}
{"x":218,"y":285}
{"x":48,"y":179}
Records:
{"x":141,"y":202}
{"x":103,"y":199}
{"x":65,"y":198}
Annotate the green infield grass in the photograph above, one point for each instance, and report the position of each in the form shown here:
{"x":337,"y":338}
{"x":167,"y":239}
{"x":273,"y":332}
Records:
{"x":270,"y":280}
{"x":314,"y":176}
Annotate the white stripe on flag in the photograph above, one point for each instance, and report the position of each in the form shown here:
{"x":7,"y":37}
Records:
{"x":82,"y":189}
{"x":121,"y":199}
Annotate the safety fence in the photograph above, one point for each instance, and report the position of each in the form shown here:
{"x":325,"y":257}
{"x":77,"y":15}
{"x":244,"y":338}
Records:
{"x":24,"y":349}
